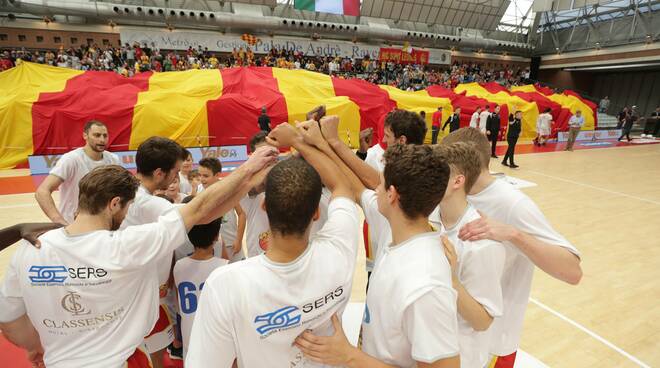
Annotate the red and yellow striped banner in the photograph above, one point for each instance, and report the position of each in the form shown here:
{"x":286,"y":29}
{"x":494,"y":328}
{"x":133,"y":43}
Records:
{"x":43,"y":108}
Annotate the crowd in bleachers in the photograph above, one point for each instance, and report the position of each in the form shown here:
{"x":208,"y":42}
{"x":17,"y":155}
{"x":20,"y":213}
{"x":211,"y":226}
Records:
{"x":129,"y":60}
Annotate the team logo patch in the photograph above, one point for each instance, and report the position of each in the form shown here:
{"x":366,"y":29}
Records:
{"x":55,"y":274}
{"x":281,"y":318}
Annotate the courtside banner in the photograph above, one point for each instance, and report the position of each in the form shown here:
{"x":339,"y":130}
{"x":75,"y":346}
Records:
{"x":588,"y":135}
{"x":41,"y":165}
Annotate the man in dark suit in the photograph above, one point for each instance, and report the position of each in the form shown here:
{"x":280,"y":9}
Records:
{"x":493,"y":129}
{"x":454,"y":121}
{"x":264,"y":121}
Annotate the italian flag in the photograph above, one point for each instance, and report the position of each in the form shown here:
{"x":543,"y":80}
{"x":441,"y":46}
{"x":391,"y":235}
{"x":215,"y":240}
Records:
{"x":344,"y":7}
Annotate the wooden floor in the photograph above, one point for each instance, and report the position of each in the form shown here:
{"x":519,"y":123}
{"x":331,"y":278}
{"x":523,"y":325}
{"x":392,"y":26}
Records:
{"x":607,"y":203}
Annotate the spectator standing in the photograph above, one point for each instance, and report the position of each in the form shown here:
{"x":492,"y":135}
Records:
{"x":604,"y":105}
{"x":513,"y":132}
{"x":621,"y":118}
{"x":493,"y":129}
{"x":543,"y":127}
{"x":575,"y":125}
{"x":454,"y":121}
{"x":474,"y":120}
{"x":630,"y":120}
{"x":435,"y":127}
{"x":483,"y":119}
{"x":264,"y":121}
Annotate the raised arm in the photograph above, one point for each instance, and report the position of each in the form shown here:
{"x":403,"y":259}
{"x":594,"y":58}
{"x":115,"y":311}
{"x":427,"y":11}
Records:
{"x":285,"y":135}
{"x":311,"y":132}
{"x":240,"y":229}
{"x":223,"y":196}
{"x":367,"y":174}
{"x":44,"y":197}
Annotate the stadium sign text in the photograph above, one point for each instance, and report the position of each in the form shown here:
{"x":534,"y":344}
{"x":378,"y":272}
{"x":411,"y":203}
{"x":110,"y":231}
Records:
{"x":217,"y":42}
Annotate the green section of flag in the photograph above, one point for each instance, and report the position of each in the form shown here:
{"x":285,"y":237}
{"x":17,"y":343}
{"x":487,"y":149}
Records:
{"x":305,"y":5}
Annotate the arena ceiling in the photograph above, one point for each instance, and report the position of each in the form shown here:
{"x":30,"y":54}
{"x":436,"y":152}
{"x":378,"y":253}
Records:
{"x":475,"y":14}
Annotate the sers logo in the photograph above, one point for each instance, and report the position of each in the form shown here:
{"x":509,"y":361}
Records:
{"x":290,"y":317}
{"x":59,"y":274}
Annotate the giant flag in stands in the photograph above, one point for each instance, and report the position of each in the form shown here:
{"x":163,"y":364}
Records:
{"x":43,"y":108}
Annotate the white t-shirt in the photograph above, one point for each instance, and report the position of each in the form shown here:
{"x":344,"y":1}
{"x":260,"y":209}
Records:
{"x":504,"y":203}
{"x":71,"y":167}
{"x":189,"y":278}
{"x":380,"y":232}
{"x":375,"y":157}
{"x":292,"y":298}
{"x":480,"y":267}
{"x":145,"y":209}
{"x":411,"y":312}
{"x":184,"y":184}
{"x":483,"y":119}
{"x":543,"y":124}
{"x":257,"y":229}
{"x":92,"y":297}
{"x":474,"y":120}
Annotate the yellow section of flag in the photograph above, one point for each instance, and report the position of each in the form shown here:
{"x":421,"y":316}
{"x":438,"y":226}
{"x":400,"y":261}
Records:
{"x":174,"y":106}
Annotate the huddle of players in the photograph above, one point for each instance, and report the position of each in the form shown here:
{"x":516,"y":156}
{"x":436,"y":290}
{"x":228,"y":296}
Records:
{"x":455,"y":251}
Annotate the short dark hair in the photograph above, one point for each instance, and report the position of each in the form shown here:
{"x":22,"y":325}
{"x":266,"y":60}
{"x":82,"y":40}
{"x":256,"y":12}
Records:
{"x":157,"y":153}
{"x":99,"y":186}
{"x":203,"y":236}
{"x":185,"y":154}
{"x":212,"y":164}
{"x":293,"y":191}
{"x":420,"y":176}
{"x":91,"y":123}
{"x":408,"y":124}
{"x":257,"y":139}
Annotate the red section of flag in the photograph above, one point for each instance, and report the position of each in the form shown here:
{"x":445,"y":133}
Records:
{"x":58,"y":118}
{"x":373,"y":101}
{"x":233,"y":117}
{"x":352,"y":7}
{"x":493,"y":87}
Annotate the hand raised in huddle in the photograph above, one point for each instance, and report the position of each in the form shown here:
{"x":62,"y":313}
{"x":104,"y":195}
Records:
{"x":330,"y":127}
{"x":283,"y":136}
{"x":311,"y":133}
{"x":263,"y":157}
{"x":366,"y":137}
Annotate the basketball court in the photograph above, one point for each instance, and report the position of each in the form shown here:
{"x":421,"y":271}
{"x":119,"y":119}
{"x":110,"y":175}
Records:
{"x":606,"y":201}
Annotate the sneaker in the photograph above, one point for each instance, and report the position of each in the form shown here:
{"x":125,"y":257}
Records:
{"x":505,"y":164}
{"x":514,"y":166}
{"x":175,"y":353}
{"x":494,"y":156}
